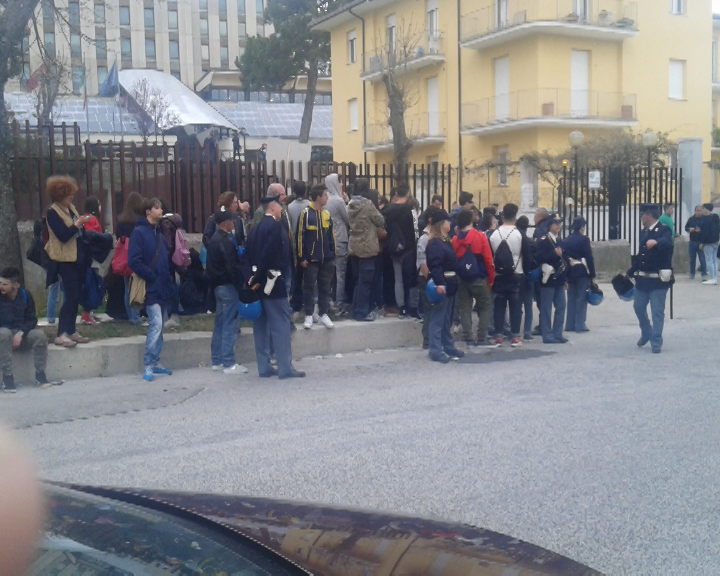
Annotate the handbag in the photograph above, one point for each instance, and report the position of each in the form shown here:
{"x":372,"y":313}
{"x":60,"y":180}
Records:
{"x":138,"y":286}
{"x":120,"y":258}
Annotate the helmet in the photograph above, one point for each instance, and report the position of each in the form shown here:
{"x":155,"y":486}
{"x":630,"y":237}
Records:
{"x":249,"y":311}
{"x":594,"y":298}
{"x":624,"y":287}
{"x":432,"y":293}
{"x":628,"y":296}
{"x":534,"y":275}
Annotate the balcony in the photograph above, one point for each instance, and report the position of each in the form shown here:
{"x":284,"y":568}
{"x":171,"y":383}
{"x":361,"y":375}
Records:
{"x":429,"y":51}
{"x":511,"y":20}
{"x":549,"y":108}
{"x":422,"y":130}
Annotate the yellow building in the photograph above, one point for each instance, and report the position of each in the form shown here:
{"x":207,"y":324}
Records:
{"x":487,"y":81}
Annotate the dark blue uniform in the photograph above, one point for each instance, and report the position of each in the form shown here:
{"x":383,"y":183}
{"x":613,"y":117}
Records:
{"x":268,"y":248}
{"x":649,"y":288}
{"x":442,"y":263}
{"x":552,"y":292}
{"x":694,"y":251}
{"x":576,"y":247}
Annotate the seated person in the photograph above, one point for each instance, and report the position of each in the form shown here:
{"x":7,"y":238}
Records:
{"x":18,"y":328}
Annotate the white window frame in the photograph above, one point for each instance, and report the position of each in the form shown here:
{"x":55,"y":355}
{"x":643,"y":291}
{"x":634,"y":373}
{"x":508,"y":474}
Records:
{"x":677,"y":7}
{"x":353,"y":113}
{"x":676,"y":79}
{"x":503,"y":157}
{"x":352,"y":46}
{"x":432,"y":18}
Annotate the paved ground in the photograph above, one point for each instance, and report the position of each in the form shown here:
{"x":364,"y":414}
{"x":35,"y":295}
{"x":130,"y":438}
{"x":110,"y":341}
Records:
{"x":595,"y":449}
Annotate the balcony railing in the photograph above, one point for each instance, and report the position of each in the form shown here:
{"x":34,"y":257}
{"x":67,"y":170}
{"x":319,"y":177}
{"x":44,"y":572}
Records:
{"x":426,"y":128}
{"x":548,"y":106}
{"x":613,"y":15}
{"x":430,"y":50}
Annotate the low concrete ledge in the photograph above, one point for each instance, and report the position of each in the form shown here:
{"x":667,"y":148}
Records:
{"x":117,"y":356}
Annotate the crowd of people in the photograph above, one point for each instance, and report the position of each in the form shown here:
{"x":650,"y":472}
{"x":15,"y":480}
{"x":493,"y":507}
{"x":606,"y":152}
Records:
{"x":323,"y":253}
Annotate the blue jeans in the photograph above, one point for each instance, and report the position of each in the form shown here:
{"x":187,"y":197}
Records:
{"x":552,"y":296}
{"x":132,"y":314}
{"x":273,"y":324}
{"x":363,"y":287}
{"x":441,"y":339}
{"x":577,"y":304}
{"x":693,"y":250}
{"x":52,"y":300}
{"x":656,"y":298}
{"x":157,"y":315}
{"x":526,"y":298}
{"x":222,"y":345}
{"x":711,"y":260}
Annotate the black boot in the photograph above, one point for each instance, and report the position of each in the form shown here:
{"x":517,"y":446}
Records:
{"x":9,"y":383}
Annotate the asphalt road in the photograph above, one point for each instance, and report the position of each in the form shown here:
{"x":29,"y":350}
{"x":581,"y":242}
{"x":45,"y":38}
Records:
{"x":595,"y":449}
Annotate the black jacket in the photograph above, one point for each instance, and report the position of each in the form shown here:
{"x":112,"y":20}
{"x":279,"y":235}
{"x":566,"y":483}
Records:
{"x":18,"y":314}
{"x":545,"y":254}
{"x":267,"y":248}
{"x":710,"y":229}
{"x":693,"y":222}
{"x":211,"y":227}
{"x":441,"y":258}
{"x":124,"y":229}
{"x":223,"y":262}
{"x":652,"y":260}
{"x":399,"y":218}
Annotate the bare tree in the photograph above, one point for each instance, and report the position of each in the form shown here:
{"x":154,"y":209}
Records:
{"x":49,"y":78}
{"x":151,"y":108}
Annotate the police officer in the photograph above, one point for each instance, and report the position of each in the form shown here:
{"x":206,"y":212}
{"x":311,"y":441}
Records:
{"x":652,"y":269}
{"x":549,"y":255}
{"x":581,"y":273}
{"x":266,"y":260}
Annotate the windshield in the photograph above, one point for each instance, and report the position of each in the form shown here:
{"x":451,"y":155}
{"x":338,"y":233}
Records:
{"x":92,"y":535}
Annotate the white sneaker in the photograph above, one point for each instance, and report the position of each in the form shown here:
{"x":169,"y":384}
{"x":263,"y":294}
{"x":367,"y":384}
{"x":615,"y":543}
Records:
{"x":325,"y":321}
{"x":172,"y":322}
{"x":235,"y":369}
{"x":710,"y":282}
{"x":308,"y":322}
{"x":217,"y":368}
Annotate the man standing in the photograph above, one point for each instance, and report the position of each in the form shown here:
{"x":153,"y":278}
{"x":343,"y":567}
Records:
{"x":148,"y":258}
{"x":299,"y":204}
{"x":549,"y":256}
{"x":267,"y":254}
{"x":18,"y":329}
{"x":338,"y":213}
{"x":695,"y":252}
{"x":666,"y":217}
{"x":401,"y":241}
{"x":225,"y":279}
{"x":316,"y":255}
{"x":709,"y":239}
{"x":652,"y":269}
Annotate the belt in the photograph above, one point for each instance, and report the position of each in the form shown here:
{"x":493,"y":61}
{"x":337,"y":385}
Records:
{"x":449,"y":274}
{"x":647,"y":274}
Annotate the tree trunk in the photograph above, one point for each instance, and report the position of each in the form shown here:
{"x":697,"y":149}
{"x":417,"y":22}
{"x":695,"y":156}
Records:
{"x":10,"y":255}
{"x":309,"y":102}
{"x":401,"y":143}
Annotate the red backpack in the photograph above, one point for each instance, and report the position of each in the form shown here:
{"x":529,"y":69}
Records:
{"x":120,"y":258}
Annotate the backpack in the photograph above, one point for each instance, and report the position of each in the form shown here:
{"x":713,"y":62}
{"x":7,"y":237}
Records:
{"x":120,"y":258}
{"x":181,"y":255}
{"x":467,"y":268}
{"x":93,"y":290}
{"x":503,"y":259}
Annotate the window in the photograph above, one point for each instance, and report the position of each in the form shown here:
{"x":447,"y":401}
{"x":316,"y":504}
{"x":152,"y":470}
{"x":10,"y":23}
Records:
{"x":432,"y":18}
{"x":677,"y":6}
{"x":223,"y":29}
{"x":74,"y":14}
{"x":259,"y":8}
{"x":203,"y":4}
{"x":502,"y":165}
{"x":205,"y":52}
{"x":222,"y":6}
{"x":102,"y":73}
{"x":75,"y":46}
{"x":149,"y":18}
{"x":49,"y":41}
{"x":260,"y":30}
{"x":125,"y":49}
{"x":223,"y":56}
{"x":172,"y":20}
{"x":149,"y":49}
{"x":352,"y":46}
{"x":174,"y":50}
{"x":353,"y":104}
{"x":501,"y":13}
{"x":48,"y":12}
{"x":100,"y":48}
{"x":241,"y":29}
{"x":391,"y":32}
{"x":124,"y":16}
{"x":78,"y":78}
{"x":582,"y":9}
{"x":25,"y":76}
{"x":677,"y":80}
{"x":175,"y":74}
{"x":99,"y":14}
{"x":203,"y":26}
{"x":241,"y":6}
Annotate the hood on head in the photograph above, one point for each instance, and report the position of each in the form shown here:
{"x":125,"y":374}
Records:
{"x":332,"y":183}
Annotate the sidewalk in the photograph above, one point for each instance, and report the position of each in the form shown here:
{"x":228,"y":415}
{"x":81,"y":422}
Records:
{"x":692,"y":300}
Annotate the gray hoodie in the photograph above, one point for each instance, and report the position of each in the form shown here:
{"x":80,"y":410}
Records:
{"x":336,"y":206}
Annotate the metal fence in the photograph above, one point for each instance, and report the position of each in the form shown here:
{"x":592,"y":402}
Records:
{"x":610,"y":199}
{"x":187,"y":176}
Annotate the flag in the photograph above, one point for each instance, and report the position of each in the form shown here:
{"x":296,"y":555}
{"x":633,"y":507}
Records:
{"x":110,"y":87}
{"x":34,"y":80}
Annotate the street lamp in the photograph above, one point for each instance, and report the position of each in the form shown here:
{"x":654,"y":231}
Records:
{"x":649,"y":140}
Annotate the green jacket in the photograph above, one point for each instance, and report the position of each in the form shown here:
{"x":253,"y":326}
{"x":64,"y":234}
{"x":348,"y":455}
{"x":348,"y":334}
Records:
{"x":668,"y":221}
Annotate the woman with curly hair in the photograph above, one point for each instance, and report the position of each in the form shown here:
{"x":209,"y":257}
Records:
{"x":69,"y":259}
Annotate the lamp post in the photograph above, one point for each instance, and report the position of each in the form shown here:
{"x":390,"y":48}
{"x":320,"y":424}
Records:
{"x":649,"y":140}
{"x":576,"y":139}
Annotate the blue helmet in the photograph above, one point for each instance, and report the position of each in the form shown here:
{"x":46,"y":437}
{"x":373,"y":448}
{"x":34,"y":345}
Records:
{"x":594,"y":298}
{"x":624,"y":287}
{"x":250,"y":310}
{"x":432,"y":293}
{"x":628,"y":296}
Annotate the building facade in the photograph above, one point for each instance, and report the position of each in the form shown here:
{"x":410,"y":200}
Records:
{"x":491,"y":80}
